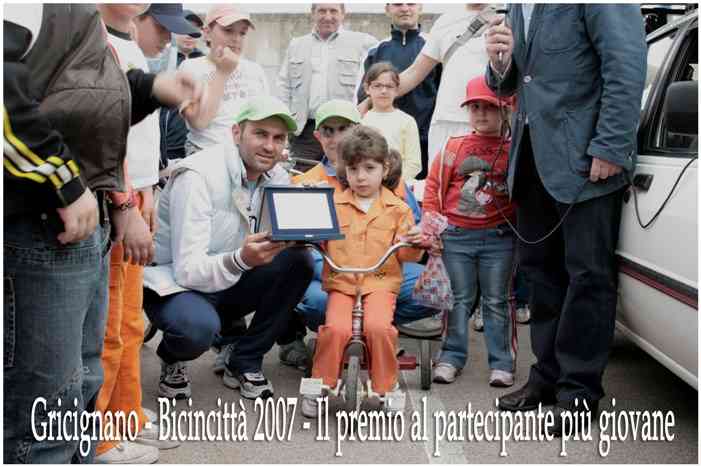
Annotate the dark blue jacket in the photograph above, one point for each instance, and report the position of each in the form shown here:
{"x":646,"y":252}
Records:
{"x":401,"y":49}
{"x":579,"y":76}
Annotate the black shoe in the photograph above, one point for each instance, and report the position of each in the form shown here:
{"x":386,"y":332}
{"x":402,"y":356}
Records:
{"x":526,"y":398}
{"x":580,"y":420}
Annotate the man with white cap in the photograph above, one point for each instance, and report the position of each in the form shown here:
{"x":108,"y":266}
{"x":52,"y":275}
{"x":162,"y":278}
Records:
{"x":210,"y":267}
{"x":230,"y":78}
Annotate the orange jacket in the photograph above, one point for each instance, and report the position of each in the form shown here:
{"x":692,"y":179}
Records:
{"x":367,"y":238}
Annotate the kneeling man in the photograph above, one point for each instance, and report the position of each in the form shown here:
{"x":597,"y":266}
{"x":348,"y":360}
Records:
{"x":210,"y":267}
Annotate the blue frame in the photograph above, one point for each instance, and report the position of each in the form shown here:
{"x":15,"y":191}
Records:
{"x":307,"y":235}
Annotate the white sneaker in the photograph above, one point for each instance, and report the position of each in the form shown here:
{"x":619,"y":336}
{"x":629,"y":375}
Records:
{"x":523,"y":315}
{"x":126,"y":452}
{"x":477,"y":321}
{"x":501,"y":379}
{"x":221,"y":359}
{"x":310,"y":409}
{"x":149,"y":436}
{"x":445,"y":373}
{"x":252,"y":385}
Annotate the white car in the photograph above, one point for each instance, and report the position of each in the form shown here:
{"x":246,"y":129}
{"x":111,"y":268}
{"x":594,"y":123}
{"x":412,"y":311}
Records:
{"x":658,"y":289}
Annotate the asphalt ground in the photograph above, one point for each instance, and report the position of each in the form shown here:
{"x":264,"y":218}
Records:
{"x":635,"y":380}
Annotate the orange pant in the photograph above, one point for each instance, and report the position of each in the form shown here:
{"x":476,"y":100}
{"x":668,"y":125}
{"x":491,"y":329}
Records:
{"x":124,"y":336}
{"x":380,"y":336}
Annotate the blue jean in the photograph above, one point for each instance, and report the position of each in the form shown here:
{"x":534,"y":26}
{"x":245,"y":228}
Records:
{"x":480,"y":259}
{"x":191,"y":321}
{"x":55,"y":306}
{"x":312,"y":308}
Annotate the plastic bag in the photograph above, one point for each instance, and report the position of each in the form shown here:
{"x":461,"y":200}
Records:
{"x":433,"y":288}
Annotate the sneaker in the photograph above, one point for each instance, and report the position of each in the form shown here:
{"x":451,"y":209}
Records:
{"x":445,"y":373}
{"x":149,"y":434}
{"x":295,"y":354}
{"x":425,"y":327}
{"x":310,"y":408}
{"x":175,"y":382}
{"x":477,"y":321}
{"x":501,"y":379}
{"x":126,"y":452}
{"x":221,"y":359}
{"x":523,"y":315}
{"x":252,"y":385}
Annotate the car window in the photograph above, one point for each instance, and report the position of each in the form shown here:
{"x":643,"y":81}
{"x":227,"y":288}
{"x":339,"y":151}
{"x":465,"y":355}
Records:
{"x":656,"y":53}
{"x":685,"y":69}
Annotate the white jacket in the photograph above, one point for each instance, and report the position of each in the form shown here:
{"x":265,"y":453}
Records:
{"x":203,"y":217}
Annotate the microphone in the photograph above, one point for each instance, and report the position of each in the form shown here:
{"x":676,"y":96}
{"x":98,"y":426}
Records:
{"x":502,"y":11}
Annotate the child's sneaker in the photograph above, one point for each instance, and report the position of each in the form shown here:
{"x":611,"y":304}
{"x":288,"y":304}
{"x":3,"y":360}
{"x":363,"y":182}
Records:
{"x":501,"y":379}
{"x":445,"y":373}
{"x":221,"y":359}
{"x":523,"y":315}
{"x":310,"y":408}
{"x":477,"y":321}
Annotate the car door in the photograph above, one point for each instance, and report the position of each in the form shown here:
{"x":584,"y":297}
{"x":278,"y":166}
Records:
{"x":658,"y":289}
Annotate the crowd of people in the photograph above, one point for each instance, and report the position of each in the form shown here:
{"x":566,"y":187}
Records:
{"x":129,"y":191}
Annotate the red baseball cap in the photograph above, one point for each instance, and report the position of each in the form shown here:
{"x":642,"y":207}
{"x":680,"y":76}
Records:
{"x":477,"y":90}
{"x":226,"y":14}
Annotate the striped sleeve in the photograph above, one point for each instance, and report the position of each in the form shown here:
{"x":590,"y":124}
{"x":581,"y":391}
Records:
{"x":32,"y":150}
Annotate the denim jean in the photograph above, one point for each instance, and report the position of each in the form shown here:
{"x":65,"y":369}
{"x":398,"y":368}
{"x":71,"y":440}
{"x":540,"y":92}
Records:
{"x":480,"y":259}
{"x":312,"y":308}
{"x":55,"y":306}
{"x":191,"y":320}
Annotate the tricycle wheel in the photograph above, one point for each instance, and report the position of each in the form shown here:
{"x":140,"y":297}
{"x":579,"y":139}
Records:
{"x":425,"y":364}
{"x":350,"y":385}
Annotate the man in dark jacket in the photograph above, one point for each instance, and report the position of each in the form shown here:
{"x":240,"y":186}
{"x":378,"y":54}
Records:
{"x":400,"y":49}
{"x":579,"y":73}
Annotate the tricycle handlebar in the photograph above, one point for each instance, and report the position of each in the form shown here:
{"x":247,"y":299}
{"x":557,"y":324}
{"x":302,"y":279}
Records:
{"x":374,"y":268}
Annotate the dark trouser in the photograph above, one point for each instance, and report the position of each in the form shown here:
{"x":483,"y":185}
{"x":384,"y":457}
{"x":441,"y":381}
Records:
{"x":573,"y":283}
{"x":191,"y":320}
{"x":306,"y":145}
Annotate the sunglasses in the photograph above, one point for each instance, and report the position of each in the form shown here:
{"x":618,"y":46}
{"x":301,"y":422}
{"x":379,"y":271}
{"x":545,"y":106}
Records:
{"x":329,"y":131}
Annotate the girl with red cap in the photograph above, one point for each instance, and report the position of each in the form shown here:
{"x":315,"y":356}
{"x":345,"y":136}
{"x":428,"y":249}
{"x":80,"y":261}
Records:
{"x":467,"y":184}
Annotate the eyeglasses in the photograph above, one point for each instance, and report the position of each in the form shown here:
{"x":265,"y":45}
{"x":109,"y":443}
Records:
{"x":380,"y":86}
{"x":329,"y":131}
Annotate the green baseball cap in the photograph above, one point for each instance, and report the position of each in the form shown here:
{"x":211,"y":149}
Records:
{"x":336,"y":108}
{"x":262,"y":107}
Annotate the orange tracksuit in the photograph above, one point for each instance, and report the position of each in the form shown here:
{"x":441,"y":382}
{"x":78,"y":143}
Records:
{"x":124,"y":336}
{"x":367,"y":237}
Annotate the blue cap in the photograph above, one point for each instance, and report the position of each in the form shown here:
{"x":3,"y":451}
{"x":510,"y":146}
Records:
{"x":172,"y":17}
